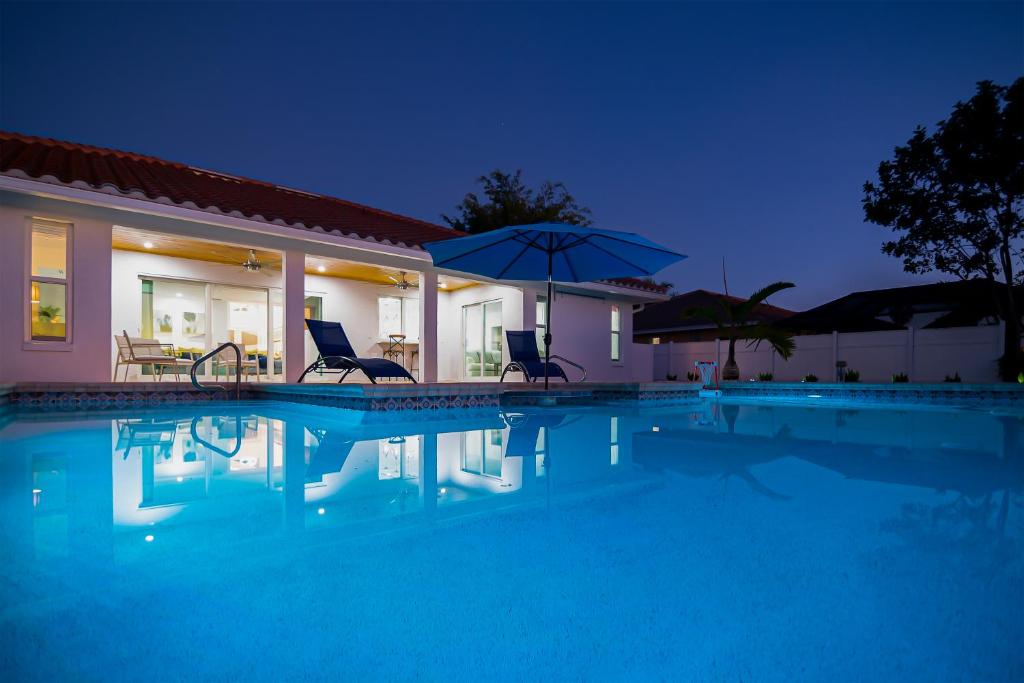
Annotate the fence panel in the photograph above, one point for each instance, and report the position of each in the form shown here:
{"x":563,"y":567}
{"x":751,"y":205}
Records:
{"x":970,"y":351}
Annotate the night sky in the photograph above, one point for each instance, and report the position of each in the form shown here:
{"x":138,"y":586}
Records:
{"x":736,"y":130}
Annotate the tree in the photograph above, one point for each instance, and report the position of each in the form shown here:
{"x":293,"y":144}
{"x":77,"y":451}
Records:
{"x":733,"y":318}
{"x":510,"y":202}
{"x":955,"y":199}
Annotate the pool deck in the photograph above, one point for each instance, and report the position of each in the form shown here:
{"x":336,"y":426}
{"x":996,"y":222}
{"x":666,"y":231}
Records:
{"x":444,"y":395}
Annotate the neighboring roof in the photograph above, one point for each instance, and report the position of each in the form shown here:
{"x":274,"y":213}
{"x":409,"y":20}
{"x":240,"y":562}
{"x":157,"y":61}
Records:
{"x":639,"y":283}
{"x":167,"y":182}
{"x":962,"y":303}
{"x":669,"y":315}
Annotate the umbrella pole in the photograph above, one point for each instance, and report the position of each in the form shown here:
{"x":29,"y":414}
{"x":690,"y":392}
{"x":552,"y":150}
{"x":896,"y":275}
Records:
{"x":547,"y":324}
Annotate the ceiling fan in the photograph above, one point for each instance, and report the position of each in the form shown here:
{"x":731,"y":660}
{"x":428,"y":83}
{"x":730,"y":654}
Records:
{"x":252,"y":263}
{"x":402,"y":283}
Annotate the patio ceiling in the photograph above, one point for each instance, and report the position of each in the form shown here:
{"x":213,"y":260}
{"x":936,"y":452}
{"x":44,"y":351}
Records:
{"x":143,"y":241}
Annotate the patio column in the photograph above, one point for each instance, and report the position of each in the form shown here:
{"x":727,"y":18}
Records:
{"x":293,"y":281}
{"x":428,"y":326}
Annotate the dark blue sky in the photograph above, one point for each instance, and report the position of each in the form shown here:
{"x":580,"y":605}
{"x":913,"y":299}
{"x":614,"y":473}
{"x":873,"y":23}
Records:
{"x":743,"y":130}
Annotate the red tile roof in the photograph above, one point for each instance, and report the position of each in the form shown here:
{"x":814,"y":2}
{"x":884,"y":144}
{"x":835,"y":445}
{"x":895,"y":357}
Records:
{"x":167,"y":182}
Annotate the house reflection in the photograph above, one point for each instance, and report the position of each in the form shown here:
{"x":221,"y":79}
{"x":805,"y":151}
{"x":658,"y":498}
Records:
{"x":120,"y":489}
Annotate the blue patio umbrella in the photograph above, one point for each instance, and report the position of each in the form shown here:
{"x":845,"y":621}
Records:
{"x":552,"y":251}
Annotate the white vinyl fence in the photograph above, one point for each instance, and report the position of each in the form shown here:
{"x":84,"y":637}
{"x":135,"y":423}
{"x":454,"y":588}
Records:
{"x":923,"y":355}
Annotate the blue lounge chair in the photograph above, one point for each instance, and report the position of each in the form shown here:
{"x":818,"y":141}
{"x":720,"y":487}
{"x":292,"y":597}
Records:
{"x":338,"y":356}
{"x":522,"y":349}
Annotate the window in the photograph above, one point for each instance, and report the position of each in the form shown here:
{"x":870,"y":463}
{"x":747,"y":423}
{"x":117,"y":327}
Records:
{"x":481,"y":452}
{"x":542,"y":320}
{"x":616,"y":329}
{"x":398,"y":315}
{"x":313,"y":307}
{"x":398,"y":458}
{"x":48,"y":281}
{"x":481,"y":339}
{"x":614,"y":440}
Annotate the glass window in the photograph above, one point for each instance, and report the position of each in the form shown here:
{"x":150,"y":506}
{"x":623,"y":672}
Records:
{"x":614,"y":440}
{"x":411,"y":318}
{"x":482,"y":339}
{"x":542,"y":320}
{"x":616,"y":329}
{"x":398,"y":315}
{"x":48,"y":290}
{"x":482,"y":452}
{"x":389,"y":316}
{"x":313,"y":308}
{"x":49,"y":303}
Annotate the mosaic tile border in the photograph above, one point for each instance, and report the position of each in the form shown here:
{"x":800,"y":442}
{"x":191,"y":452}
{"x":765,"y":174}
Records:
{"x":461,"y":397}
{"x":71,"y":400}
{"x":388,"y":404}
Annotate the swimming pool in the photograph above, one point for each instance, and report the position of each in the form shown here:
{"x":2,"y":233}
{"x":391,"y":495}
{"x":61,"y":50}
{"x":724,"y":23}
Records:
{"x":701,"y":541}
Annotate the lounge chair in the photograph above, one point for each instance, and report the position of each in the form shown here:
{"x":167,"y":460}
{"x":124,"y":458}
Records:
{"x":140,"y":351}
{"x":522,"y":349}
{"x":338,"y":356}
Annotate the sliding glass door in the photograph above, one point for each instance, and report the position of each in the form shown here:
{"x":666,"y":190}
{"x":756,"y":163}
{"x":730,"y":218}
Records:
{"x":482,"y":340}
{"x":197,"y":316}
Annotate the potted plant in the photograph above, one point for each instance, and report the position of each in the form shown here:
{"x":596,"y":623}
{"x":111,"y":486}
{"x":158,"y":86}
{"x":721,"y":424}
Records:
{"x":48,"y":314}
{"x":734,"y":319}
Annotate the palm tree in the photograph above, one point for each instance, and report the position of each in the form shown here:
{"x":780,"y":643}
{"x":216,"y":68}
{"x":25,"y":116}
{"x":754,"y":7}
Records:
{"x":733,"y":318}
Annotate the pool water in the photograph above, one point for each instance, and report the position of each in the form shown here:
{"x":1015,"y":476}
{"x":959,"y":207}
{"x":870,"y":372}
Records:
{"x":707,"y":541}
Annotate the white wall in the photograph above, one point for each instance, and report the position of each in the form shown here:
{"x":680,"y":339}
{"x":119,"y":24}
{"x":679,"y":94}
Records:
{"x":924,"y":355}
{"x":580,"y":327}
{"x":84,"y":358}
{"x":449,"y":324}
{"x":354,"y":305}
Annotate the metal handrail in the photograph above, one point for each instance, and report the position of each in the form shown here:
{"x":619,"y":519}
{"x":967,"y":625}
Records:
{"x":217,"y":449}
{"x":575,"y":365}
{"x":207,"y":356}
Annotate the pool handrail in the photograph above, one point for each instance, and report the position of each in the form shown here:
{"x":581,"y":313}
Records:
{"x":207,"y":356}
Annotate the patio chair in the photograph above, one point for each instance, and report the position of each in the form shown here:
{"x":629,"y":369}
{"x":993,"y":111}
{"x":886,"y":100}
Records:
{"x":141,"y":351}
{"x":522,"y":349}
{"x":336,"y":355}
{"x":225,"y":360}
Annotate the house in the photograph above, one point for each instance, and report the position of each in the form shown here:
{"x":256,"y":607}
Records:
{"x":667,"y":321}
{"x":962,"y":303}
{"x":97,"y":242}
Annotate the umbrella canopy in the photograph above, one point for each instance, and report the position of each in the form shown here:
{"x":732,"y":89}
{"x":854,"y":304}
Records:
{"x":578,"y":253}
{"x":552,"y":251}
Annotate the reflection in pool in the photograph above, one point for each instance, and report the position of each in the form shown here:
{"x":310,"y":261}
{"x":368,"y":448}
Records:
{"x":708,"y":540}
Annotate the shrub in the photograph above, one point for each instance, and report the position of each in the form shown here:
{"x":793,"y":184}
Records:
{"x":765,"y":377}
{"x":672,"y":378}
{"x":693,"y":376}
{"x":955,"y":377}
{"x":810,"y":378}
{"x":852,"y":376}
{"x":900,"y":378}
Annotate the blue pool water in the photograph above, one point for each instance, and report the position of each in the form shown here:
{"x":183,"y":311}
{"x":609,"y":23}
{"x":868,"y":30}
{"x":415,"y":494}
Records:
{"x":711,"y":541}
